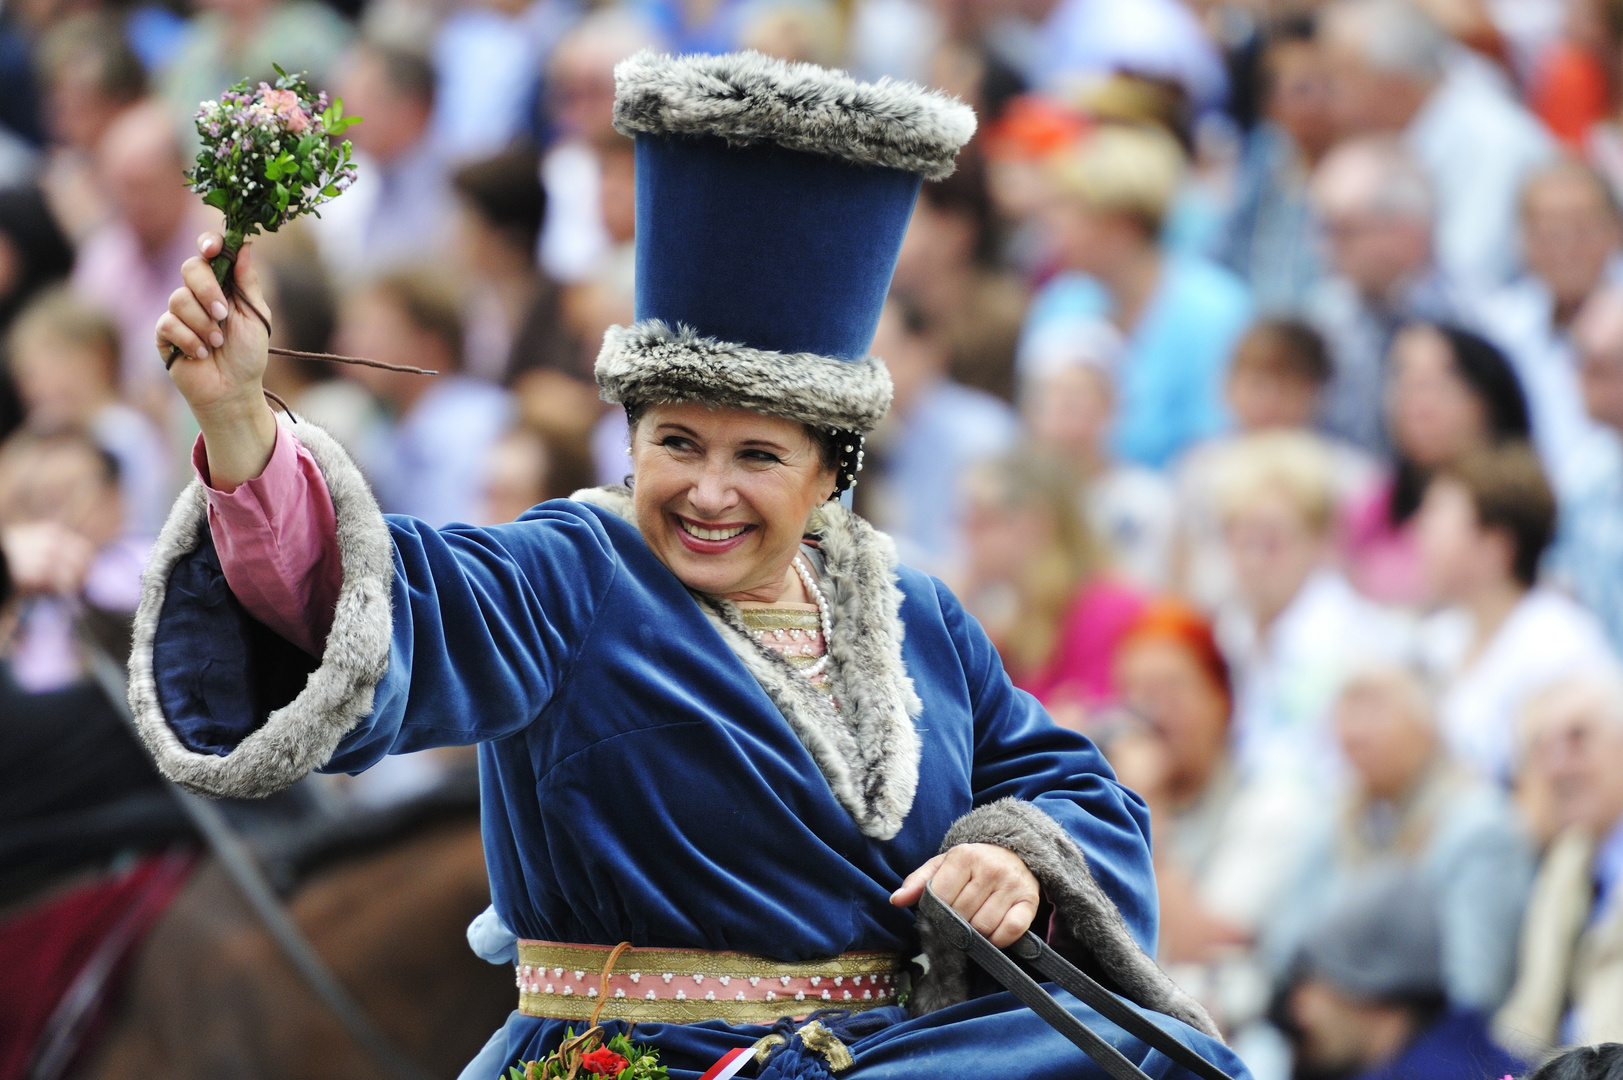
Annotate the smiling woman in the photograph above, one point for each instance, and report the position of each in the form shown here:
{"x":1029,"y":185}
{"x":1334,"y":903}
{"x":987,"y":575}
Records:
{"x":717,"y":722}
{"x":724,"y":496}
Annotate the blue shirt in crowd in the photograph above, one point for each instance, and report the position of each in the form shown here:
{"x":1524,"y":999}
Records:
{"x":1169,"y":388}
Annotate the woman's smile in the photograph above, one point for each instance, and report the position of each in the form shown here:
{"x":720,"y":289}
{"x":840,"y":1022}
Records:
{"x":710,"y":538}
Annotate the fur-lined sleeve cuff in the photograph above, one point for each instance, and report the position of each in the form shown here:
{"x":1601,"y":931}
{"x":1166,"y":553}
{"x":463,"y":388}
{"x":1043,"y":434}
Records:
{"x":1082,"y":912}
{"x":219,"y":703}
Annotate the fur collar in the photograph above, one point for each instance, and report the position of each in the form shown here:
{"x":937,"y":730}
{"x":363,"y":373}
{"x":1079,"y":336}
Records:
{"x":864,"y":740}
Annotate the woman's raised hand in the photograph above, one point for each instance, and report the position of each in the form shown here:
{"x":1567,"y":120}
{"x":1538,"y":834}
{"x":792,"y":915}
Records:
{"x":220,"y":372}
{"x":988,"y":885}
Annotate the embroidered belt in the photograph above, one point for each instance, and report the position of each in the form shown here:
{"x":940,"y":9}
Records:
{"x":686,"y":986}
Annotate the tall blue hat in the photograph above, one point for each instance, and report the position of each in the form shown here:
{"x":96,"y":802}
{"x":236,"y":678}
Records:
{"x":771,"y":203}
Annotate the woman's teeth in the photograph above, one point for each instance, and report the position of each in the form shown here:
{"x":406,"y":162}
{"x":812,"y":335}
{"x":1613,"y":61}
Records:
{"x":712,"y":534}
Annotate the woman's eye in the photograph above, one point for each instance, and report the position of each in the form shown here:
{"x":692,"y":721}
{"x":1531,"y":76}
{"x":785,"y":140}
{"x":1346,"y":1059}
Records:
{"x":761,"y":457}
{"x":676,"y":443}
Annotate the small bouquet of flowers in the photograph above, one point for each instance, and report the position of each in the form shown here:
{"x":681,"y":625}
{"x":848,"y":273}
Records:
{"x":587,"y":1055}
{"x":269,"y":155}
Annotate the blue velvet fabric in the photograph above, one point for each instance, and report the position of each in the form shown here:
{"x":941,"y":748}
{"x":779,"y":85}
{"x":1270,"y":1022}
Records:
{"x":219,"y":671}
{"x":639,"y":785}
{"x":766,"y":247}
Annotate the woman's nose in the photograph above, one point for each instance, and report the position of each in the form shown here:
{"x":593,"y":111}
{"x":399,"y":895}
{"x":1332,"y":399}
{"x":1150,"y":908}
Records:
{"x":713,"y":492}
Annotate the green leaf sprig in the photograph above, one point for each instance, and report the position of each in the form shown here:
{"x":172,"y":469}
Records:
{"x":269,"y":154}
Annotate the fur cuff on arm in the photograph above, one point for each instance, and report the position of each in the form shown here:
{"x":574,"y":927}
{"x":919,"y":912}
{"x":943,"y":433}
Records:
{"x":1081,"y":910}
{"x":302,"y":735}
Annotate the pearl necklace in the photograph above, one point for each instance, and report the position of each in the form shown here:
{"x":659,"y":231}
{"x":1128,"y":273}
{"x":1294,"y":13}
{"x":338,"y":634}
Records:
{"x":810,"y":581}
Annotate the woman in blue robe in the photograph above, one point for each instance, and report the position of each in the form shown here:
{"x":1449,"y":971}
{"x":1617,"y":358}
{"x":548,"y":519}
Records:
{"x":658,"y":768}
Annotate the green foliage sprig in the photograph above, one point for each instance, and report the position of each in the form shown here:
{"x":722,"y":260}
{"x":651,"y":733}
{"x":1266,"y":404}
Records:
{"x":269,"y":155}
{"x":587,"y":1055}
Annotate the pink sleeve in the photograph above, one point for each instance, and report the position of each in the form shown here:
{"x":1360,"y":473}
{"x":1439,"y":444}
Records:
{"x":277,"y":536}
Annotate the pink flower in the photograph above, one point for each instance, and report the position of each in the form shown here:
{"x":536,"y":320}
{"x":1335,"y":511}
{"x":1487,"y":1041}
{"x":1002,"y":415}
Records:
{"x":285,"y":103}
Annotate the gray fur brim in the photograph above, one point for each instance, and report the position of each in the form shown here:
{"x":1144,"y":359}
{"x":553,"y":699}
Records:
{"x":302,"y":735}
{"x":651,"y":364}
{"x":746,"y":98}
{"x":1083,"y":910}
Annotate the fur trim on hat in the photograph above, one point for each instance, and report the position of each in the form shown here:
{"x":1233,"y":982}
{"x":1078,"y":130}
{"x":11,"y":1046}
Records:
{"x":745,"y":97}
{"x":1081,"y":909}
{"x":302,"y":735}
{"x":652,"y":364}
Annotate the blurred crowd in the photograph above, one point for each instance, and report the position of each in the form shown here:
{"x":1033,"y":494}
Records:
{"x":1259,"y":385}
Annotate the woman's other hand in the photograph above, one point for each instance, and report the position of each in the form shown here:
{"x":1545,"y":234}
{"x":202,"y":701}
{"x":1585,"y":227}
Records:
{"x":220,"y":372}
{"x":988,"y":885}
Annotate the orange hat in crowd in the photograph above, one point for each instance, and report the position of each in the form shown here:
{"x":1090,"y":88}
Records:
{"x":1172,"y":620}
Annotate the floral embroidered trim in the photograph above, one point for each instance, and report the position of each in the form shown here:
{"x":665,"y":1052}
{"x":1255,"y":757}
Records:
{"x":690,"y":985}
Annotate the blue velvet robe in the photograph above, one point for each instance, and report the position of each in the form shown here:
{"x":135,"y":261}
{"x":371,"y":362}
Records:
{"x":639,"y":784}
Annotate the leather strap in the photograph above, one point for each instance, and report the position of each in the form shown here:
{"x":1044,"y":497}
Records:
{"x":1035,"y":951}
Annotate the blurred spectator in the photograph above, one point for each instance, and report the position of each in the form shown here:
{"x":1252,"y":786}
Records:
{"x":1040,"y":582}
{"x":78,"y":572}
{"x":1069,"y":399}
{"x":605,"y":295}
{"x":304,"y":314}
{"x":936,"y":430}
{"x":525,"y":469}
{"x":1271,"y":239}
{"x":1483,"y":527}
{"x":1276,"y":382}
{"x":1392,"y":69}
{"x":800,"y":31}
{"x":1081,"y":40}
{"x":88,"y":75}
{"x":430,"y":461}
{"x":1376,"y":205}
{"x":1588,"y":555}
{"x":1366,"y":998}
{"x":33,"y":252}
{"x":1449,"y":392}
{"x":514,"y":316}
{"x":1227,"y":843}
{"x":1410,"y":805}
{"x":400,"y":207}
{"x":1180,"y":314}
{"x":1569,"y":983}
{"x":131,"y":264}
{"x":63,"y":355}
{"x":1597,"y":26}
{"x":488,"y":57}
{"x":894,"y":38}
{"x":947,"y":266}
{"x":1568,"y":78}
{"x":1296,"y":627}
{"x":579,"y":101}
{"x":703,"y":26}
{"x":227,"y":40}
{"x":1571,"y":234}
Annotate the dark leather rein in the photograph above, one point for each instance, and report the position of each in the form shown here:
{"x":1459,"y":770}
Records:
{"x":1002,"y":965}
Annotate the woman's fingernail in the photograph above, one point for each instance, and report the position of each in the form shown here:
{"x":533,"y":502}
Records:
{"x":217,"y":339}
{"x":219,"y":309}
{"x":202,"y":351}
